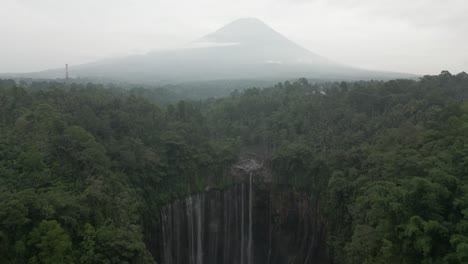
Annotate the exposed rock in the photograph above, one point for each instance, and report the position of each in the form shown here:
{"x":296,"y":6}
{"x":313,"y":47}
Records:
{"x":250,"y":164}
{"x":245,"y":224}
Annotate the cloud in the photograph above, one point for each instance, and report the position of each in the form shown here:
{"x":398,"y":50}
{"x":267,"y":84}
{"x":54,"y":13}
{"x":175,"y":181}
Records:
{"x":425,"y":13}
{"x":417,"y":36}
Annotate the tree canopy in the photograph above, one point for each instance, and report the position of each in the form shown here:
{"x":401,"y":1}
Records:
{"x":85,"y":169}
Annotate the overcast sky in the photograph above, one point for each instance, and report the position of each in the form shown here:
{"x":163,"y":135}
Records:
{"x":416,"y":36}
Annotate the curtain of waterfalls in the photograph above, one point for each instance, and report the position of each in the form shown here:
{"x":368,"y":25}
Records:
{"x":249,"y":252}
{"x":242,"y":226}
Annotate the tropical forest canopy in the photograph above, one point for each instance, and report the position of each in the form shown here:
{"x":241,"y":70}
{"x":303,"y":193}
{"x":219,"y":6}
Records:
{"x":85,"y":168}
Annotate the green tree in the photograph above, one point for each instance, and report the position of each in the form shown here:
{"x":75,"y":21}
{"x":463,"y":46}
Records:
{"x":88,"y":245}
{"x":51,"y":243}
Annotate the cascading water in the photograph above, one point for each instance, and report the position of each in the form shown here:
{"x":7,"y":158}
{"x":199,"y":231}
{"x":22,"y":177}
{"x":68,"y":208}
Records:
{"x":249,"y":252}
{"x":198,"y":214}
{"x":235,"y":226}
{"x":242,"y":225}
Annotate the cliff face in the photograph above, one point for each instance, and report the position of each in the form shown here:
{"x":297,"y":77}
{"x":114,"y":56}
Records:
{"x":248,"y":223}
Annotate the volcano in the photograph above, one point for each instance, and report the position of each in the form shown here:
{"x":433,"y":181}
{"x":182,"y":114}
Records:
{"x":246,"y":49}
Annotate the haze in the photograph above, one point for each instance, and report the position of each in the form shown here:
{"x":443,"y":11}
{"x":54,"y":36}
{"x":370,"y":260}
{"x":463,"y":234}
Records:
{"x":422,"y":37}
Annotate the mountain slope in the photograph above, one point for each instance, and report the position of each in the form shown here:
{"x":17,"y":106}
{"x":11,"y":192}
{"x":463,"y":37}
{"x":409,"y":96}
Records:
{"x":244,"y":49}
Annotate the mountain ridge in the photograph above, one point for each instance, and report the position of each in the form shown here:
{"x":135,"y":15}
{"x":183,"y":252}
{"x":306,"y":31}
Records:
{"x":246,"y":48}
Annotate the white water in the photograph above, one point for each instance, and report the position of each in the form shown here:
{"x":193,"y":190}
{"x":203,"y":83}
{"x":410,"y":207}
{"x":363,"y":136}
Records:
{"x":217,"y":227}
{"x":249,"y":252}
{"x":199,"y":230}
{"x":165,"y":234}
{"x":242,"y":224}
{"x":212,"y":228}
{"x":194,"y":216}
{"x":190,"y":222}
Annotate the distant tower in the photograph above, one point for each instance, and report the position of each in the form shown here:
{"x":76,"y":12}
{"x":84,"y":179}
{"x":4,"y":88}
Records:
{"x":66,"y":72}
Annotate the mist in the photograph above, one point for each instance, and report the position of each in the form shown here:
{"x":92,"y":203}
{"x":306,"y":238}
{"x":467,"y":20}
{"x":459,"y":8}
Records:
{"x":234,"y":132}
{"x":420,"y":37}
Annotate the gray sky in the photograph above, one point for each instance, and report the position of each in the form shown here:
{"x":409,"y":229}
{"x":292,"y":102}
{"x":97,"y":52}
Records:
{"x":416,"y":36}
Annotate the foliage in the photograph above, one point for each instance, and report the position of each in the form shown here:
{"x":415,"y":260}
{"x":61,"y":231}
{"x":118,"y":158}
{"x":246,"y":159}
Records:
{"x":84,"y":169}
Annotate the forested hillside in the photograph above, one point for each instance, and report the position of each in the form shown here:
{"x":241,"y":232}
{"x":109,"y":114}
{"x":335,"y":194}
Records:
{"x":84,"y":169}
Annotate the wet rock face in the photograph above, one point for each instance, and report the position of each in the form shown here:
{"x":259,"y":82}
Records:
{"x":247,"y":223}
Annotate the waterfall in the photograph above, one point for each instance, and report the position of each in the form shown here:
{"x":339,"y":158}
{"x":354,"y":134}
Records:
{"x":198,"y":213}
{"x":194,"y":212}
{"x":191,"y":242}
{"x":165,"y":233}
{"x":218,"y":227}
{"x":249,"y":252}
{"x":227,"y":223}
{"x":242,"y":224}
